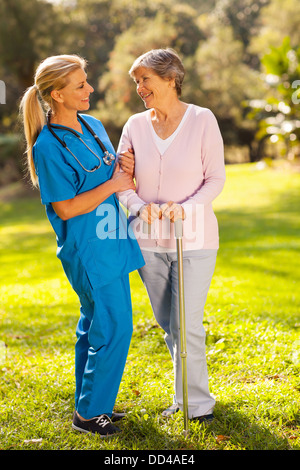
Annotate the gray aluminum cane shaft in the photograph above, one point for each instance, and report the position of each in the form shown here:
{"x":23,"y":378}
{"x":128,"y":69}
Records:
{"x":183,"y":353}
{"x":183,"y":349}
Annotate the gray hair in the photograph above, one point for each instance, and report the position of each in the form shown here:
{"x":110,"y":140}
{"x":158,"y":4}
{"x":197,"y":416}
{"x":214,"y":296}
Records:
{"x":164,"y":62}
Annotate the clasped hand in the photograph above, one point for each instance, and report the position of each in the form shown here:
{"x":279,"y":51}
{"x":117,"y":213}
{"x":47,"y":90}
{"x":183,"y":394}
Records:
{"x":170,"y":210}
{"x":127,"y":162}
{"x":124,"y":171}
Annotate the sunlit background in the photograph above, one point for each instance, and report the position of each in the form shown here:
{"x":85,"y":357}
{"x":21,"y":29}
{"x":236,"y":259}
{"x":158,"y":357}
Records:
{"x":242,"y":60}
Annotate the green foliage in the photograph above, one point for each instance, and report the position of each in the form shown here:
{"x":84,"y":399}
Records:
{"x":9,"y":144}
{"x":164,"y":29}
{"x":251,"y":319}
{"x":278,"y":19}
{"x":10,"y":167}
{"x":278,"y":115}
{"x":28,"y":30}
{"x":277,"y":62}
{"x":242,"y":15}
{"x":221,"y":43}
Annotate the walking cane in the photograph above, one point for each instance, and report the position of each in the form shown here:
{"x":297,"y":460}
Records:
{"x":183,"y":352}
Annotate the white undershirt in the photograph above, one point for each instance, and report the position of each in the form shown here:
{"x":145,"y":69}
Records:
{"x":163,"y":144}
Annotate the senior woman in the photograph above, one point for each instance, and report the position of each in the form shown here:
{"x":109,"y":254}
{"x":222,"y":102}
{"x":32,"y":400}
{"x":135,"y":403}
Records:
{"x":179,"y":171}
{"x":70,"y":158}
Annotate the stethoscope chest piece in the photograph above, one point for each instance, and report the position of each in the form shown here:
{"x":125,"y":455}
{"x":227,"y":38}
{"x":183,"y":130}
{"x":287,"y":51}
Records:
{"x":108,"y":158}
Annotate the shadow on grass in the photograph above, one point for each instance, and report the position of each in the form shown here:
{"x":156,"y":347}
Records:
{"x":243,"y":433}
{"x":231,"y":429}
{"x":239,"y":228}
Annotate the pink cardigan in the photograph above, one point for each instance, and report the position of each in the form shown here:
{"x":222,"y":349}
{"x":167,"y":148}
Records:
{"x":191,"y":172}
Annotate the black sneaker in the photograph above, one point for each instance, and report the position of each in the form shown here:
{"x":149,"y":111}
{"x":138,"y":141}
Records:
{"x":117,"y":416}
{"x":99,"y":425}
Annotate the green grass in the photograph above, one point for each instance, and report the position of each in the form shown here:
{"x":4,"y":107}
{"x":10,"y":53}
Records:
{"x":252,"y":322}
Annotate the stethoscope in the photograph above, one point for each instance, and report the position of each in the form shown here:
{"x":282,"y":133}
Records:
{"x":108,"y":157}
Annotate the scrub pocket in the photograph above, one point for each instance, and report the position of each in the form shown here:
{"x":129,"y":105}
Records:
{"x":74,"y":270}
{"x":105,"y":259}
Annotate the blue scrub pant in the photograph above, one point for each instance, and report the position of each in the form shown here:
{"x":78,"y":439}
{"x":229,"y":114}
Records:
{"x":160,"y":276}
{"x":103,"y":334}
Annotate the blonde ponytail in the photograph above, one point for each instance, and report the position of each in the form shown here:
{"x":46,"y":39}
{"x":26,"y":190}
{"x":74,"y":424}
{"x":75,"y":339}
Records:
{"x":51,"y":74}
{"x":34,"y":121}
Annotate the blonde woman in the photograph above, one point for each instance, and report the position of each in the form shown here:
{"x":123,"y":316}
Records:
{"x":72,"y":160}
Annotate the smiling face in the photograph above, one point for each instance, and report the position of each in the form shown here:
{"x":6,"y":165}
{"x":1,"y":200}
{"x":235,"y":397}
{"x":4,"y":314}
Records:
{"x":153,"y":89}
{"x":75,"y":95}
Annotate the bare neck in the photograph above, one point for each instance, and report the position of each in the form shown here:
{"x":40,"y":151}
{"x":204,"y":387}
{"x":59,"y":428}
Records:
{"x":65,"y":118}
{"x":165,"y":120}
{"x":169,"y":112}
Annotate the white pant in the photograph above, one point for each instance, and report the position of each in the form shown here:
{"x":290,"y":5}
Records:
{"x":160,"y":277}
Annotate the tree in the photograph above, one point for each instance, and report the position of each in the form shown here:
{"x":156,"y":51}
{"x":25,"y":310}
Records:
{"x":171,"y":26}
{"x":278,"y":115}
{"x":278,"y":19}
{"x":29,"y":32}
{"x":244,"y":18}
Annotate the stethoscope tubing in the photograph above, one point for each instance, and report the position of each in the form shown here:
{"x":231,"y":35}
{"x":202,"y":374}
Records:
{"x":108,"y":157}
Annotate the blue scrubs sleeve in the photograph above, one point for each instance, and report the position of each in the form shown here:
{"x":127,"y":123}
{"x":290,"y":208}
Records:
{"x":57,"y":179}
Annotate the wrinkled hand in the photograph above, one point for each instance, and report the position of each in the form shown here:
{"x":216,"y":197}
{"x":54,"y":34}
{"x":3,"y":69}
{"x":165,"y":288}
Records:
{"x":150,"y":212}
{"x":172,"y":211}
{"x":127,"y":162}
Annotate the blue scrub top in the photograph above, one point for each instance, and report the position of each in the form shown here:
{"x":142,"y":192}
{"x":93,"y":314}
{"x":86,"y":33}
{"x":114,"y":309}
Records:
{"x":97,"y":247}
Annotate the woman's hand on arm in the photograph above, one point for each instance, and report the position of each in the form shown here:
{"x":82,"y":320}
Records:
{"x":90,"y":200}
{"x":127,"y":162}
